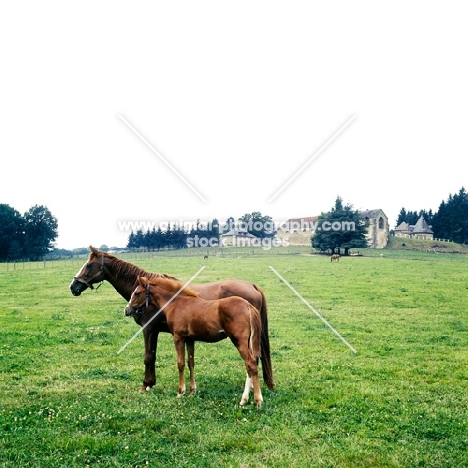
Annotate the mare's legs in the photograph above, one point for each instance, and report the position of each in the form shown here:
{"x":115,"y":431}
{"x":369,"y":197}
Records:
{"x":190,"y":344}
{"x":150,"y":335}
{"x":180,"y":350}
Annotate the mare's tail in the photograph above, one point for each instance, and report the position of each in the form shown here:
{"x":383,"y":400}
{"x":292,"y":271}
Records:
{"x":265,"y":343}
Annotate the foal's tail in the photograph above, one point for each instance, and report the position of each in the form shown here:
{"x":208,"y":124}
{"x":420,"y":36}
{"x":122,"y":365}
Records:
{"x":265,"y":343}
{"x":255,"y":331}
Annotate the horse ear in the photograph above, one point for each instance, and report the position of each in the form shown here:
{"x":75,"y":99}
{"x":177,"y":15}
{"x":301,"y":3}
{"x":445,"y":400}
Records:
{"x":142,"y":280}
{"x":94,"y":250}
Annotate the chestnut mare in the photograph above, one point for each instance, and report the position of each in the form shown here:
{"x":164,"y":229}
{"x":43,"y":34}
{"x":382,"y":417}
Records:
{"x":191,"y":318}
{"x":123,"y":276}
{"x":335,"y":257}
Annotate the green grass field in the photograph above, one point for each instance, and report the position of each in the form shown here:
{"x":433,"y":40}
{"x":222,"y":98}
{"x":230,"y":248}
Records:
{"x":68,"y":399}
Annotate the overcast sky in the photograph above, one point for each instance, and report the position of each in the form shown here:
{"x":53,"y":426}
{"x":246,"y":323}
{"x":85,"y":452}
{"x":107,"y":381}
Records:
{"x":154,"y":111}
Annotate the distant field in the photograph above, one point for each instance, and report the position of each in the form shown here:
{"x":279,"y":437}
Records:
{"x":69,"y":400}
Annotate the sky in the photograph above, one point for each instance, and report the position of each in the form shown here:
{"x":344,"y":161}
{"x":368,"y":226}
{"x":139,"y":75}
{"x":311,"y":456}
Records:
{"x":114,"y":112}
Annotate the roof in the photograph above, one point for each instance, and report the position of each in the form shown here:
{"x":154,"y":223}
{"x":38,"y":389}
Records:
{"x":421,"y":227}
{"x":238,"y":232}
{"x":371,"y":213}
{"x":404,"y":226}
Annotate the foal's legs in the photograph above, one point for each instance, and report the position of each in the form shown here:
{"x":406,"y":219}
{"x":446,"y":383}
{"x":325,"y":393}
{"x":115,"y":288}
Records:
{"x":179,"y":343}
{"x":247,"y":388}
{"x":252,"y":381}
{"x":190,"y":344}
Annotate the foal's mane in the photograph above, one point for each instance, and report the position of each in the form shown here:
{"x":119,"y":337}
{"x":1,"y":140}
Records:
{"x":172,"y":285}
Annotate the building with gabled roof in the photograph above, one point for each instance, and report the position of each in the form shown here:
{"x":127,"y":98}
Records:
{"x":403,"y":230}
{"x":420,"y":230}
{"x":237,"y":237}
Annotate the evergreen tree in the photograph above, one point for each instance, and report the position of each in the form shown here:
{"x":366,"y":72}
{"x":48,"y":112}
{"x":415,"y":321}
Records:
{"x":334,"y":229}
{"x":136,"y":239}
{"x":451,"y":220}
{"x":158,"y":239}
{"x":214,"y":231}
{"x":401,"y":217}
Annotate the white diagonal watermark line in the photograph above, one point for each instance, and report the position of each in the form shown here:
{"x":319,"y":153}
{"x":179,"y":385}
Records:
{"x":160,"y":157}
{"x":312,"y":158}
{"x":161,"y":309}
{"x":313,"y":310}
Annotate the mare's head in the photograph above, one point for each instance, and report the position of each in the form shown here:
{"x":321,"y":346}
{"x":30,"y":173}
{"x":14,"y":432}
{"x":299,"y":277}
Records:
{"x":90,"y":273}
{"x":140,"y":297}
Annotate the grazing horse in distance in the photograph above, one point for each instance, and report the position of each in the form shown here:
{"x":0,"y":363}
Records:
{"x":123,"y":276}
{"x":335,"y":257}
{"x":205,"y":257}
{"x":191,"y":318}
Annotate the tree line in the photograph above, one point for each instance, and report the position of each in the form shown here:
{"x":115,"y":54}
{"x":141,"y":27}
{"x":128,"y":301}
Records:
{"x":450,"y":221}
{"x":176,"y":236}
{"x":173,"y":237}
{"x":28,"y":236}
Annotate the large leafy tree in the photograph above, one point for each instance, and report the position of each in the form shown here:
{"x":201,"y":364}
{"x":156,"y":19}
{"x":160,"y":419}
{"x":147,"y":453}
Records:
{"x":257,"y":224}
{"x":228,"y":225}
{"x":11,"y":233}
{"x":340,"y":228}
{"x":40,"y":231}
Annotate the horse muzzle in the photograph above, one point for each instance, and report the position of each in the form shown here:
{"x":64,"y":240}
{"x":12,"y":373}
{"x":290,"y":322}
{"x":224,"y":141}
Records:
{"x":130,"y":310}
{"x":77,"y":288}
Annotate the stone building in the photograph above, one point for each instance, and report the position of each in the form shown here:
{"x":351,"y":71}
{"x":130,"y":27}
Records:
{"x":298,"y":231}
{"x":377,"y":230}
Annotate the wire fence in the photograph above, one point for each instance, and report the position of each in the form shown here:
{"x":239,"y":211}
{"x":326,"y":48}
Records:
{"x":136,"y":256}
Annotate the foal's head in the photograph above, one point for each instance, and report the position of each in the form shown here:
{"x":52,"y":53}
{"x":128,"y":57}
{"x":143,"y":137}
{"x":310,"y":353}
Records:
{"x":140,"y":297}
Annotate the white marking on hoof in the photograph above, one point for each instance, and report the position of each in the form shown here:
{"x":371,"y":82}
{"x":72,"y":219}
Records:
{"x":181,"y":393}
{"x":248,"y":386}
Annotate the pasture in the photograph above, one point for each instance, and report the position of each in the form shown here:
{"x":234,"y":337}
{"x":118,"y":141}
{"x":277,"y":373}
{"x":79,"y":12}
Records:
{"x":69,"y":399}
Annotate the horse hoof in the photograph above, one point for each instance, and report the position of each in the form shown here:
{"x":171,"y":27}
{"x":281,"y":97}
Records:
{"x":145,"y":389}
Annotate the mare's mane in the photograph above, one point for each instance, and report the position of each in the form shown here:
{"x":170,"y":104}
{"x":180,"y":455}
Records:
{"x":128,"y":271}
